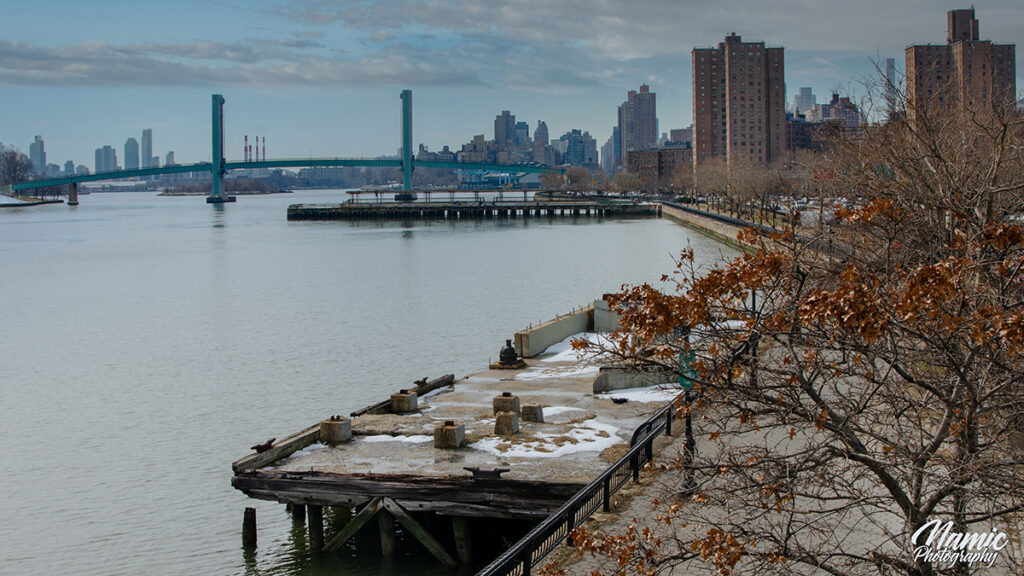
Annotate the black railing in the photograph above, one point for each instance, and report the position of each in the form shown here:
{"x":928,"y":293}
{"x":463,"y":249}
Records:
{"x":546,"y":536}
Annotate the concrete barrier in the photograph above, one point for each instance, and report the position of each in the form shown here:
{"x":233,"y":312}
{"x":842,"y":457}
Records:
{"x":609,"y":379}
{"x":605,"y":319}
{"x":717,"y":229}
{"x":535,"y":340}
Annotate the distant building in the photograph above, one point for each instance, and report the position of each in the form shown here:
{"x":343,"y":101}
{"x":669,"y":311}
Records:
{"x":81,"y":170}
{"x":608,"y":155}
{"x":522,"y":137}
{"x":891,"y":87}
{"x":542,"y":152}
{"x":154,"y":162}
{"x":840,"y":109}
{"x":638,"y":120}
{"x":475,"y":150}
{"x":505,"y":129}
{"x":681,"y":135}
{"x":131,"y":154}
{"x":804,"y":100}
{"x":37,"y":155}
{"x":170,"y":159}
{"x":967,"y":72}
{"x":146,"y":154}
{"x":106,"y":159}
{"x":739,"y":108}
{"x":69,"y":168}
{"x":662,"y":167}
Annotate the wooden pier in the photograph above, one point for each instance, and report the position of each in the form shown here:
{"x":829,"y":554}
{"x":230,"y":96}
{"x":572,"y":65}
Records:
{"x":448,"y":458}
{"x":468,"y":210}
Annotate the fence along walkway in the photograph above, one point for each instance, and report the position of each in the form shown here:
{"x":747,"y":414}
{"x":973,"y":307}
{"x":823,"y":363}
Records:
{"x":520,"y":559}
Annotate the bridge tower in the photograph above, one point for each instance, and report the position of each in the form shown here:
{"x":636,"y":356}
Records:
{"x":217,"y":160}
{"x":407,"y":139}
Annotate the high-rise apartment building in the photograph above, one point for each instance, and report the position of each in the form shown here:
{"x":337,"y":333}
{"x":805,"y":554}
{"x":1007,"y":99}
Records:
{"x":739,"y":107}
{"x":966,"y":71}
{"x":37,"y":154}
{"x":131,"y":154}
{"x":146,"y":154}
{"x":638,"y":120}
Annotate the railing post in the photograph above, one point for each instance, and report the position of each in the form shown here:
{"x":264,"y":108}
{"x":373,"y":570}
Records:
{"x":608,"y":494}
{"x":527,"y":559}
{"x":570,"y":524}
{"x":669,"y":416}
{"x":634,"y":465}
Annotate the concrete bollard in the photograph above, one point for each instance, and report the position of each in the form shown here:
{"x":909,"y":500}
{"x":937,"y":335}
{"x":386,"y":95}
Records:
{"x":533,"y":413}
{"x":335,"y":431}
{"x":404,"y":401}
{"x":507,"y":402}
{"x":506,"y":424}
{"x":449,"y":436}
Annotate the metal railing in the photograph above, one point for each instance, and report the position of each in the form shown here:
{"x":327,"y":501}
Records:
{"x":546,"y":536}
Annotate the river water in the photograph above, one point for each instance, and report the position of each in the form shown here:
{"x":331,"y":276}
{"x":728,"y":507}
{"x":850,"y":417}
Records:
{"x":147,"y":342}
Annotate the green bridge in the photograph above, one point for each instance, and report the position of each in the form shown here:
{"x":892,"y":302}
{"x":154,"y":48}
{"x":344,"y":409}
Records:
{"x":407,"y":163}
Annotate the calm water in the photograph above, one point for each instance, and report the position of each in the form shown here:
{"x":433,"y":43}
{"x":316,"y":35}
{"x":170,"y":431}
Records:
{"x":147,"y":342}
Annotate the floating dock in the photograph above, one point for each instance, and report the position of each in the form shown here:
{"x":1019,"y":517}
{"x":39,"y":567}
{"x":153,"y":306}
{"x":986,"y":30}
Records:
{"x":515,"y":443}
{"x":468,"y":210}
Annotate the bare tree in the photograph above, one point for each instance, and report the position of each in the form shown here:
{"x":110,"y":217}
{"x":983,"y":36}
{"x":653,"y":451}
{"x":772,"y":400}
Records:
{"x":860,"y":409}
{"x":578,"y":177}
{"x":552,"y":179}
{"x":15,"y":167}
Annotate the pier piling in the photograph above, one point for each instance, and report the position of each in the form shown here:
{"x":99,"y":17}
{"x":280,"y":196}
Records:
{"x":249,"y":529}
{"x":316,"y":527}
{"x":386,"y":527}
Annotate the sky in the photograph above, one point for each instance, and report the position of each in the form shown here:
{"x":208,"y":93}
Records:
{"x":322,"y":78}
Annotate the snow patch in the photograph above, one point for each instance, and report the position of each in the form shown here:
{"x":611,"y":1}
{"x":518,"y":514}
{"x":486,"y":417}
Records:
{"x":662,"y":393}
{"x":308,"y":449}
{"x":588,"y":436}
{"x":563,"y":352}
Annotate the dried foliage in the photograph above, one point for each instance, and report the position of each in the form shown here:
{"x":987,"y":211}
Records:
{"x":848,"y":397}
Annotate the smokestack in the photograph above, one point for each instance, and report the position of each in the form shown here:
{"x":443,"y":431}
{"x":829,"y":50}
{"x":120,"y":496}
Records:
{"x":245,"y":149}
{"x":264,"y":148}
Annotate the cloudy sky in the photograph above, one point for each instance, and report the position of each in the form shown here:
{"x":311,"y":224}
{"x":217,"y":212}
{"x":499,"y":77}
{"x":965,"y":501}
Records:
{"x":323,"y":77}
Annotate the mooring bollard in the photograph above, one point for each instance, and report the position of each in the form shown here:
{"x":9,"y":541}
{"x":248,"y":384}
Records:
{"x":404,"y":401}
{"x":506,"y":424}
{"x":507,"y":402}
{"x":533,"y":413}
{"x":449,"y":435}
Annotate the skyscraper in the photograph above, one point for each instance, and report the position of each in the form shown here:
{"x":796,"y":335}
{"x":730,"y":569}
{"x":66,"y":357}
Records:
{"x":638,"y":120}
{"x":106,"y":159}
{"x":739,"y":108}
{"x":804,"y":100}
{"x":541,"y":152}
{"x":131,"y":154}
{"x":890,"y":85}
{"x":147,"y":148}
{"x":504,"y":129}
{"x":37,"y":154}
{"x":968,"y":72}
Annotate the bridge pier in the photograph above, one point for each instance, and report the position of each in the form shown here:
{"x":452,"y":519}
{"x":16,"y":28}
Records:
{"x":217,"y":165}
{"x":73,"y":194}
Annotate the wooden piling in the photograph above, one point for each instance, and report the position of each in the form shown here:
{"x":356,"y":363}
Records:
{"x":249,"y":529}
{"x":463,"y":539}
{"x":316,"y":527}
{"x":386,"y":527}
{"x":298,"y":514}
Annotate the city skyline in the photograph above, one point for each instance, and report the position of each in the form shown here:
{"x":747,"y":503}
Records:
{"x":323,"y":78}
